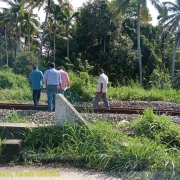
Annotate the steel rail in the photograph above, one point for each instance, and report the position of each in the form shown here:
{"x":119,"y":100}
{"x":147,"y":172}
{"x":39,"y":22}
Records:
{"x":114,"y":110}
{"x":137,"y":111}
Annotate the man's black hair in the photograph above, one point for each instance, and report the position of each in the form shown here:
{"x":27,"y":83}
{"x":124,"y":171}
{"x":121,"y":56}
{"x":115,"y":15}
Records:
{"x":52,"y":65}
{"x":35,"y":67}
{"x":101,"y":70}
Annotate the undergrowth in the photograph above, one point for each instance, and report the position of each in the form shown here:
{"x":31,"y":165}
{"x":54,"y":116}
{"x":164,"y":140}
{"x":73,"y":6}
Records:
{"x":100,"y":146}
{"x":15,"y":88}
{"x":157,"y":127}
{"x":14,"y":117}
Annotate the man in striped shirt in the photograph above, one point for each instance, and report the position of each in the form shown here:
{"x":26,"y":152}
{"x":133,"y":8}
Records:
{"x":52,"y":79}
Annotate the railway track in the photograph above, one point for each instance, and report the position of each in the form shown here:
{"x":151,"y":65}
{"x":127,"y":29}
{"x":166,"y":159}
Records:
{"x":114,"y":110}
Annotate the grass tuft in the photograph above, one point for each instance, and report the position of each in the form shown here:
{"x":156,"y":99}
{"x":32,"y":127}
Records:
{"x":14,"y":117}
{"x":100,"y":146}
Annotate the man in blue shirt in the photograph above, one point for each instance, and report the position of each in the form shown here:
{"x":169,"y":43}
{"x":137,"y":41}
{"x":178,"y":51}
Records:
{"x":35,"y":80}
{"x":52,"y":79}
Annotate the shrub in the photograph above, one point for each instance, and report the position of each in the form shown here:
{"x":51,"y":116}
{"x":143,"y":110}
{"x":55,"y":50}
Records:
{"x":14,"y":87}
{"x":150,"y":124}
{"x":9,"y":80}
{"x":80,"y":90}
{"x":97,"y":146}
{"x":160,"y":79}
{"x":14,"y":117}
{"x":25,"y":63}
{"x":84,"y":76}
{"x":158,"y":128}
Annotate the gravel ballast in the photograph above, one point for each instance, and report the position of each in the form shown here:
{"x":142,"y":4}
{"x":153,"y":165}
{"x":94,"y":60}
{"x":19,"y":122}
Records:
{"x":42,"y":117}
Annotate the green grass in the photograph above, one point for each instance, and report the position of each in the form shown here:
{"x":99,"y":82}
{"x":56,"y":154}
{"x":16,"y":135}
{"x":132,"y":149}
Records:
{"x":131,"y":93}
{"x":153,"y":150}
{"x":15,"y":88}
{"x":15,"y":95}
{"x":80,"y":91}
{"x":155,"y":127}
{"x":14,"y":117}
{"x":100,"y":146}
{"x":2,"y":136}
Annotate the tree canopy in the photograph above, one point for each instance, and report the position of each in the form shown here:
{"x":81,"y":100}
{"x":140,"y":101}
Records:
{"x":114,"y":35}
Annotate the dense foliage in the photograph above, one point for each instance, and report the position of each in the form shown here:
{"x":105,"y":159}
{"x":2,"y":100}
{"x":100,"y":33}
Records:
{"x":9,"y":80}
{"x":16,"y":88}
{"x":104,"y":146}
{"x":96,"y":35}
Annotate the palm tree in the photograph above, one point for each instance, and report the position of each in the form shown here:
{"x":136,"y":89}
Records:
{"x":171,"y":19}
{"x":3,"y":26}
{"x":142,"y":10}
{"x":67,"y":17}
{"x":40,"y":4}
{"x":177,"y":41}
{"x":5,"y":35}
{"x":30,"y":25}
{"x":11,"y":17}
{"x":53,"y":17}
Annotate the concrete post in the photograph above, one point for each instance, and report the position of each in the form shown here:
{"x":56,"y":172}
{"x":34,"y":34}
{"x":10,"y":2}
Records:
{"x":65,"y":112}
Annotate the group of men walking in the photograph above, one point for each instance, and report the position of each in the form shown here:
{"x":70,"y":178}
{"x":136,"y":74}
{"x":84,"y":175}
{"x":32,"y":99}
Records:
{"x":54,"y":80}
{"x":58,"y":80}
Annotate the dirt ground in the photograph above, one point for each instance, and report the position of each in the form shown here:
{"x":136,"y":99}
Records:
{"x":50,"y":172}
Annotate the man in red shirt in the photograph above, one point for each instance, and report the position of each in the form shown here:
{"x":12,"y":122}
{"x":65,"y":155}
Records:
{"x":65,"y":82}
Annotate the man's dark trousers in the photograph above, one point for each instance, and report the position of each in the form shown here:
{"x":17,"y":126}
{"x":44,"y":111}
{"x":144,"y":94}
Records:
{"x":36,"y":96}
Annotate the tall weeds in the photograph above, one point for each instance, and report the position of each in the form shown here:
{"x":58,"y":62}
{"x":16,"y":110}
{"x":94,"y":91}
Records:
{"x":15,"y":88}
{"x":99,"y":146}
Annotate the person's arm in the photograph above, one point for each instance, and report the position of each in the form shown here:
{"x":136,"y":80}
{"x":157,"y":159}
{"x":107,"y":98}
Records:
{"x":42,"y":76}
{"x":30,"y":81}
{"x":101,"y":81}
{"x":45,"y":77}
{"x":41,"y":80}
{"x":60,"y":81}
{"x":67,"y":80}
{"x":101,"y":89}
{"x":45,"y":80}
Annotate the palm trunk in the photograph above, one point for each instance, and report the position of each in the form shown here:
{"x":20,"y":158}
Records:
{"x":163,"y":49}
{"x":67,"y":45}
{"x":5,"y":35}
{"x":109,"y":59}
{"x":174,"y":58}
{"x":18,"y":44}
{"x":29,"y":40}
{"x":105,"y":44}
{"x":67,"y":36}
{"x":42,"y":40}
{"x":1,"y":54}
{"x":54,"y":45}
{"x":139,"y":46}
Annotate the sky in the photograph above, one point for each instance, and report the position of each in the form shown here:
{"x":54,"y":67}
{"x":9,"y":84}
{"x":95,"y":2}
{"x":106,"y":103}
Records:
{"x":77,"y":3}
{"x":154,"y":12}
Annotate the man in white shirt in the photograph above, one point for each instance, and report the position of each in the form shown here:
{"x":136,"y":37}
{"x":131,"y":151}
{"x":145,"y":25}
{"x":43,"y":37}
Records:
{"x":52,"y":78}
{"x":101,"y":90}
